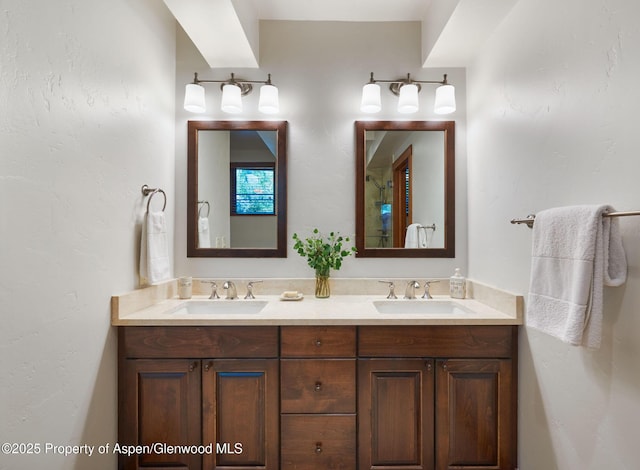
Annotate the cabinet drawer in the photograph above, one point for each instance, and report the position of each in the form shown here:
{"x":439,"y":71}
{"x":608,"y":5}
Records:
{"x":318,"y":341}
{"x":437,"y":341}
{"x":198,"y":341}
{"x":318,"y":441}
{"x":318,"y":385}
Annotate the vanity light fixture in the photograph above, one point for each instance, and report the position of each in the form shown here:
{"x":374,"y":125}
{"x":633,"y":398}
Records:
{"x":407,"y":90}
{"x":232,"y":92}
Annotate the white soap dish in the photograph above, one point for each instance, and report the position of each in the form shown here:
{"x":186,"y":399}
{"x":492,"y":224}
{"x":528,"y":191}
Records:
{"x":298,"y":296}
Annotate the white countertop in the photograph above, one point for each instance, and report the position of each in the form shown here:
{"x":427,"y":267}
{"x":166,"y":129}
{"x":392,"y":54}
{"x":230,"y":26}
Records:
{"x":336,"y":310}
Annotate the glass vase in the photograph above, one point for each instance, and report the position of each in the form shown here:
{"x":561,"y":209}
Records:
{"x":323,"y":290}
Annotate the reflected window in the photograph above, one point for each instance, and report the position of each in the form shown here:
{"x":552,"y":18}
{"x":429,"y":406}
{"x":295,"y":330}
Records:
{"x":252,"y":189}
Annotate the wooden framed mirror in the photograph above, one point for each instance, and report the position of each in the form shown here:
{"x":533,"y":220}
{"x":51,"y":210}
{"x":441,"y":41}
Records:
{"x":405,"y":189}
{"x":237,"y":189}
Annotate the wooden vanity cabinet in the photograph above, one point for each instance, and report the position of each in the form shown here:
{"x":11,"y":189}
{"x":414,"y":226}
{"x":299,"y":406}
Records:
{"x":315,"y":397}
{"x":199,"y":386}
{"x":437,"y":397}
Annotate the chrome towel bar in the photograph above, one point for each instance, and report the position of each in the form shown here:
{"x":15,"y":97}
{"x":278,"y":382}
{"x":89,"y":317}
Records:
{"x":147,"y":191}
{"x":529,"y":220}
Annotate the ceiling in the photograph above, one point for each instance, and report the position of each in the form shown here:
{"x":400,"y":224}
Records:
{"x":452,"y":30}
{"x":342,"y":10}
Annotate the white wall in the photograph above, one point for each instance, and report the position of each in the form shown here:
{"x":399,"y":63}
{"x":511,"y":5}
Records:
{"x":320,"y":69}
{"x":86,"y":118}
{"x":552,"y":113}
{"x":428,"y":185}
{"x":213,"y":147}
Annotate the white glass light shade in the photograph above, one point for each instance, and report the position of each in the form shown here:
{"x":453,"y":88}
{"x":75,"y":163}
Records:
{"x":194,"y":98}
{"x":371,"y":102}
{"x":445,"y":100}
{"x":231,"y":99}
{"x":268,"y":103}
{"x":408,"y":101}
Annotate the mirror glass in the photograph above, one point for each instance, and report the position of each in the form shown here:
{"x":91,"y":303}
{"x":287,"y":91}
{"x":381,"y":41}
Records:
{"x":405,"y":180}
{"x":236,"y":189}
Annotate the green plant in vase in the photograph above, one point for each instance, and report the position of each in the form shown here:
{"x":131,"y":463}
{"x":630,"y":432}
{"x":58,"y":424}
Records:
{"x":323,"y":255}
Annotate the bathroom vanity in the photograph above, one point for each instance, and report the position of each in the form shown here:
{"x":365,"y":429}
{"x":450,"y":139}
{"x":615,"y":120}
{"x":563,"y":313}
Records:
{"x":317,"y":390}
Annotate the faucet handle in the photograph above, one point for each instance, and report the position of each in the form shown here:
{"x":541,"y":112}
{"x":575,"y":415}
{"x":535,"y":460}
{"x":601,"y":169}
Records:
{"x":250,"y":290}
{"x":427,"y":285}
{"x":214,"y":289}
{"x":392,"y":294}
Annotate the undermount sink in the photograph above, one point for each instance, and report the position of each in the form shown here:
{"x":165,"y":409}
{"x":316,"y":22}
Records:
{"x":420,"y":307}
{"x":220,"y":307}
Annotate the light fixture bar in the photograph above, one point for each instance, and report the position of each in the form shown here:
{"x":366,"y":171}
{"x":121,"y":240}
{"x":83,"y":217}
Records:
{"x":398,"y":83}
{"x":245,"y":85}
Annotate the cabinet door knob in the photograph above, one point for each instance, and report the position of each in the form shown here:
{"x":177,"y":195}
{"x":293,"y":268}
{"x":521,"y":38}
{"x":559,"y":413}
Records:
{"x":318,"y":386}
{"x":207,"y":366}
{"x":193,"y":366}
{"x":444,"y":366}
{"x":318,"y":447}
{"x":429,"y":366}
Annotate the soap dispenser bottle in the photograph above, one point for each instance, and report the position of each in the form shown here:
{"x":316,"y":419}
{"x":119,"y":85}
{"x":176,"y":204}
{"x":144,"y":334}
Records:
{"x":457,"y":285}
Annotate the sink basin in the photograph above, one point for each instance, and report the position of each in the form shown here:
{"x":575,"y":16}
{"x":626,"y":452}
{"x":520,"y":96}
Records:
{"x":420,"y":307}
{"x":220,"y":307}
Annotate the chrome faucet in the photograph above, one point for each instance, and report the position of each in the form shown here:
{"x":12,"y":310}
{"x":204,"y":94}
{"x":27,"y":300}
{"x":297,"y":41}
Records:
{"x":250,"y":290}
{"x":230,"y":287}
{"x":427,"y":286}
{"x":410,"y":292}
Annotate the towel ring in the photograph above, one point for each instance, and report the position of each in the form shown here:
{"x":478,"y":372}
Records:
{"x":147,"y":191}
{"x":200,"y":209}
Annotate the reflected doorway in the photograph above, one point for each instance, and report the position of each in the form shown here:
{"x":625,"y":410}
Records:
{"x":402,"y":197}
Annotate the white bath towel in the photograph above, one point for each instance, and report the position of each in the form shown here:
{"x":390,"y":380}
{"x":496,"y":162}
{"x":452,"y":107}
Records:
{"x":204,"y":239}
{"x":154,"y":249}
{"x":576,"y":251}
{"x":415,"y":237}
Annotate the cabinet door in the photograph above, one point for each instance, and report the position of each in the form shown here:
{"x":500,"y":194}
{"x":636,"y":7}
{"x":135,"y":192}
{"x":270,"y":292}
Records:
{"x":240,"y":413}
{"x":395,"y":414}
{"x":475,"y":425}
{"x":160,"y":404}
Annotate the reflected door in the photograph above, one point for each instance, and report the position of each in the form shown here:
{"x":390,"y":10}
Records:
{"x":402,"y":213}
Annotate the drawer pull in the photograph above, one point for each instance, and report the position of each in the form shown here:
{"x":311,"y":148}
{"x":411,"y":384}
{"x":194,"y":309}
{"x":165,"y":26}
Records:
{"x":318,"y":342}
{"x":318,"y":386}
{"x":318,"y":447}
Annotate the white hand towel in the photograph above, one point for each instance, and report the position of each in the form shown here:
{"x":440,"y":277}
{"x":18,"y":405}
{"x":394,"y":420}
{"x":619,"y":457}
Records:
{"x":576,"y":251}
{"x":204,"y":239}
{"x":422,"y":237}
{"x":416,"y":237}
{"x":412,"y":238}
{"x":154,"y":249}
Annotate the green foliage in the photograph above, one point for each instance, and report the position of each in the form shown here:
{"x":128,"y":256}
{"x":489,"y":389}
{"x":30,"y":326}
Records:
{"x":323,"y":255}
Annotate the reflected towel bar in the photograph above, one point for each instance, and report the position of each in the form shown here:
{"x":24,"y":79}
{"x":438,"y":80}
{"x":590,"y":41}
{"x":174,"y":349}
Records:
{"x":426,"y":227}
{"x":529,"y":220}
{"x":202,"y":204}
